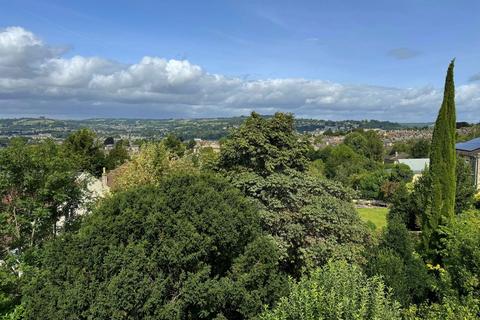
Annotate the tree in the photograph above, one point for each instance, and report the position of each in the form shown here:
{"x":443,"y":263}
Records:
{"x":317,"y":168}
{"x":401,"y":173}
{"x":336,"y":291}
{"x":85,"y":147}
{"x":10,"y":291}
{"x":401,"y":268}
{"x":408,"y":206}
{"x":412,"y":205}
{"x":264,"y":146}
{"x":310,"y":218}
{"x":174,"y":145}
{"x":357,"y":141}
{"x":38,"y":186}
{"x":190,"y":145}
{"x":190,"y":248}
{"x":150,"y":166}
{"x":450,"y":308}
{"x":366,"y":143}
{"x":369,"y":184}
{"x":109,"y":141}
{"x":420,"y":148}
{"x":206,"y":159}
{"x":399,"y":146}
{"x":342,"y":163}
{"x":117,"y":156}
{"x":442,"y":171}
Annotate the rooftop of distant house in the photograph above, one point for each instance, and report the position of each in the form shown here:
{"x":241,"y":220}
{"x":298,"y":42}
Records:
{"x":416,"y":165}
{"x":469,"y":146}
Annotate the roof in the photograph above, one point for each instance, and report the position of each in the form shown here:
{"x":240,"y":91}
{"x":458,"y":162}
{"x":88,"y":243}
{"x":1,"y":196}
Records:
{"x":470,"y":145}
{"x":416,"y":165}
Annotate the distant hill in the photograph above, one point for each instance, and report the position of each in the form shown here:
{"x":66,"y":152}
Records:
{"x":204,"y":128}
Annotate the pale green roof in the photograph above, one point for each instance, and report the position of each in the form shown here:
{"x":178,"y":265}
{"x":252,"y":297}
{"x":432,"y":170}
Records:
{"x":416,"y":165}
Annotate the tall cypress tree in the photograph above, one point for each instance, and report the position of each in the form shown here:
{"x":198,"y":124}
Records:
{"x":442,"y":171}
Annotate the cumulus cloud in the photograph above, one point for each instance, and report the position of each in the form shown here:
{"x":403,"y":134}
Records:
{"x":403,"y":53}
{"x":38,"y":79}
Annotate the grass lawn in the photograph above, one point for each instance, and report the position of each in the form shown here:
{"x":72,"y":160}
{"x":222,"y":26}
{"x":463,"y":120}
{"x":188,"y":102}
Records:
{"x":377,"y":216}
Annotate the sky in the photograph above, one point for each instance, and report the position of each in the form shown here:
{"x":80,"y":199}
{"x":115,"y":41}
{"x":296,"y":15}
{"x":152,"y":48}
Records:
{"x":334,"y":60}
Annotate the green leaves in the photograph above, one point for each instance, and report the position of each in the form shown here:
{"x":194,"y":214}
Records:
{"x":84,"y":146}
{"x":188,"y":249}
{"x":264,"y":146}
{"x":38,"y":186}
{"x":336,"y":291}
{"x":461,"y":253}
{"x":366,"y":143}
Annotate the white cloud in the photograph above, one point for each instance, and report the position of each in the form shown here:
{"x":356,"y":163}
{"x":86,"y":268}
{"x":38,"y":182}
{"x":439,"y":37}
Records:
{"x":36,"y":78}
{"x":21,"y":52}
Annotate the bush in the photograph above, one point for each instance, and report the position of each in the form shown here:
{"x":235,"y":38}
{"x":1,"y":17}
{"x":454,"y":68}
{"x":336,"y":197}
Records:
{"x":369,"y":184}
{"x":461,"y":253}
{"x":336,"y":291}
{"x":188,"y":249}
{"x":449,"y":309}
{"x":402,"y":269}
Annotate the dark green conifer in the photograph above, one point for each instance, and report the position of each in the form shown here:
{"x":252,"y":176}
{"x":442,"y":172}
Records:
{"x":442,"y":171}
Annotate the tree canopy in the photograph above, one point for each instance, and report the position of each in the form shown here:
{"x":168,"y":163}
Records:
{"x":264,"y":146}
{"x":86,"y":148}
{"x":188,"y":249}
{"x":310,"y":218}
{"x":38,"y":186}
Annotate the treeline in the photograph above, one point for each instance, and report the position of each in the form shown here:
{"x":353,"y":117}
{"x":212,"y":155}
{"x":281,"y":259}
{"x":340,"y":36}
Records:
{"x":260,"y":230}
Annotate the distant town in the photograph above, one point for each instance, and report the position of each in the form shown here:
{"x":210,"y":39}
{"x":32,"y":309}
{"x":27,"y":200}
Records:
{"x":135,"y":130}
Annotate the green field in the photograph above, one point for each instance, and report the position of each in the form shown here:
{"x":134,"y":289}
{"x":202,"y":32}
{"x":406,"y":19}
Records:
{"x":377,"y":216}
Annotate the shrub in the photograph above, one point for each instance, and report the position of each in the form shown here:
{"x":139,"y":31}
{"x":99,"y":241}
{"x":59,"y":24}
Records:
{"x":336,"y":291}
{"x":461,"y":254}
{"x":401,"y":268}
{"x":449,"y":309}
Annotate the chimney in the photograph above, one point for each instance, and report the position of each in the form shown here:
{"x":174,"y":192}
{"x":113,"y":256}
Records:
{"x":104,"y":177}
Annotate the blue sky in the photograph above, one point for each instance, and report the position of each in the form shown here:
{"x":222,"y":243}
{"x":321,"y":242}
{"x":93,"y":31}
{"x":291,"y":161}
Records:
{"x":394,"y":50}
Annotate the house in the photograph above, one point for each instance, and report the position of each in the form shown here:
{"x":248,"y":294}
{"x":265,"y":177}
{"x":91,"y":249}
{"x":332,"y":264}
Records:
{"x":470,"y":151}
{"x":199,"y":144}
{"x":416,"y":165}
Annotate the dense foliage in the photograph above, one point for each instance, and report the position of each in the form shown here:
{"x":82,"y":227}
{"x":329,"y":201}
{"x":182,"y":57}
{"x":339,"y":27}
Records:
{"x":264,"y":146}
{"x":399,"y":265}
{"x":38,"y":187}
{"x":309,"y":217}
{"x":84,"y":146}
{"x":117,"y":156}
{"x":461,"y":253}
{"x":336,"y":291}
{"x":264,"y":229}
{"x":189,"y":249}
{"x":150,"y":166}
{"x":366,"y":143}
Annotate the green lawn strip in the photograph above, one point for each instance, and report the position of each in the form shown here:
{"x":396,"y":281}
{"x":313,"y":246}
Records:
{"x":377,"y":215}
